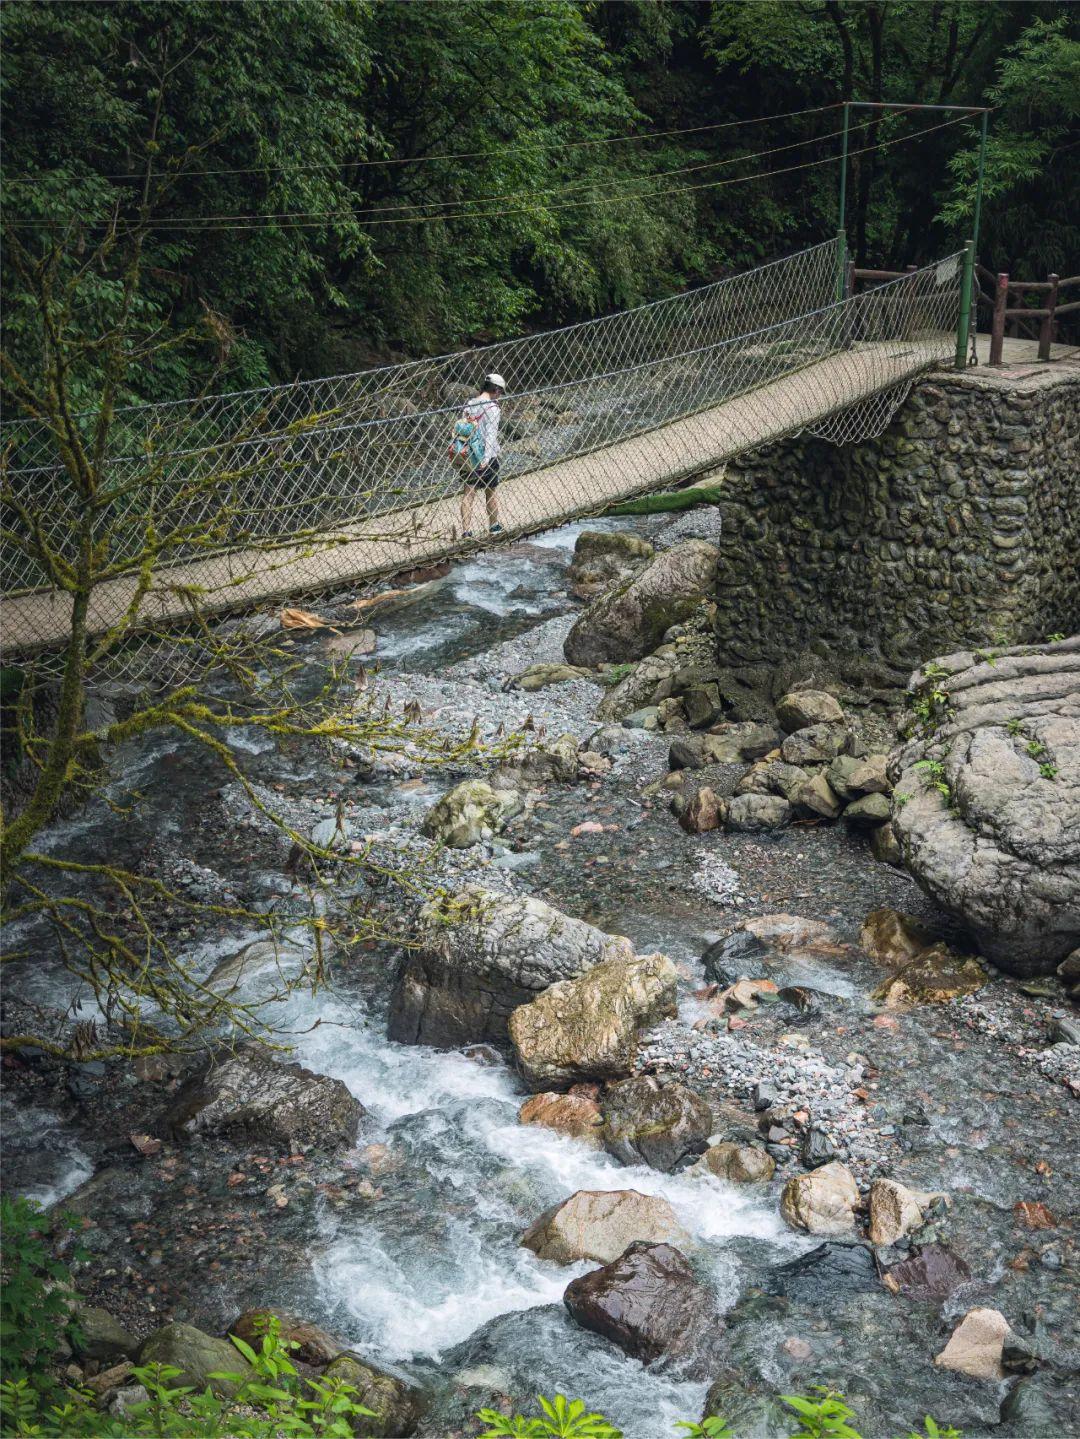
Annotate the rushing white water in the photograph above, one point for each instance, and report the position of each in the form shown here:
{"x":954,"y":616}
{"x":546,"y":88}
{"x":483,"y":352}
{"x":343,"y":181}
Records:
{"x":45,"y":1151}
{"x":416,"y":1284}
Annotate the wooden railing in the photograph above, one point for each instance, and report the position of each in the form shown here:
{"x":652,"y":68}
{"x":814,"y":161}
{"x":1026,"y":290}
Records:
{"x":1006,"y":303}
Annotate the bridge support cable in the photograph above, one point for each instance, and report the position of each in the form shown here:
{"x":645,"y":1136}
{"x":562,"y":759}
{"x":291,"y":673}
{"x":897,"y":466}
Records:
{"x":294,"y":488}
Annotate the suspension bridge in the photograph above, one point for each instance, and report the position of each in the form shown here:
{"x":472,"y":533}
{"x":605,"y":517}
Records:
{"x":230,"y":501}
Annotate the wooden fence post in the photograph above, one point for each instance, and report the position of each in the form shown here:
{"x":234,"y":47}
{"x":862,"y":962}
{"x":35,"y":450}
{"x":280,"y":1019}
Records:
{"x":997,"y":324}
{"x":1046,"y":329}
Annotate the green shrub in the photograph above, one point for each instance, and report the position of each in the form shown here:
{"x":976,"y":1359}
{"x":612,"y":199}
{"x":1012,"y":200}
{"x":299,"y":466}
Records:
{"x":823,"y":1415}
{"x":35,"y":1316}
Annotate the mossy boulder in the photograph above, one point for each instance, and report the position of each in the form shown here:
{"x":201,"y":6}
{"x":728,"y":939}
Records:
{"x":394,"y":1404}
{"x":630,"y":620}
{"x":197,"y":1356}
{"x":470,"y":812}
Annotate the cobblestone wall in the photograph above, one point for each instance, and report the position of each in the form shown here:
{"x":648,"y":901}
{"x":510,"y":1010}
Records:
{"x":960,"y":525}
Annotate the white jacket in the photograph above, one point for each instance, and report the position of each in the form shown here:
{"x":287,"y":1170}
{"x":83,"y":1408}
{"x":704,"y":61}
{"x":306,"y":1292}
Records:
{"x":486,"y":415}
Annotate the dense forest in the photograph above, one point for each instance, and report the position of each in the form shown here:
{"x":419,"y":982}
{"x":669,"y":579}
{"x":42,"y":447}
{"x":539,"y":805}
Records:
{"x":329,"y":182}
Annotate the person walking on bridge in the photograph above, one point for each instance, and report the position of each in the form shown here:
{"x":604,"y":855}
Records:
{"x":476,"y":447}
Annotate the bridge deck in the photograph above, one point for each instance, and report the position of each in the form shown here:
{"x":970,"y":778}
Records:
{"x":528,"y":503}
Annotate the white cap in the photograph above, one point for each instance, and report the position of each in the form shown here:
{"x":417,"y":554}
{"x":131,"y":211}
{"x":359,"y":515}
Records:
{"x":495,"y":379}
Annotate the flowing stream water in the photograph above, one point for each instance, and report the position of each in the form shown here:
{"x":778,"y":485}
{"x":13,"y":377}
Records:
{"x":427,"y":1272}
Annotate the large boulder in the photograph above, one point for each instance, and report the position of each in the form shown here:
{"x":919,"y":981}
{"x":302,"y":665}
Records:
{"x":98,"y":1336}
{"x":629,"y":621}
{"x":802,"y":708}
{"x":394,"y":1404}
{"x":197,"y":1356}
{"x":600,"y":1224}
{"x":661,"y":1125}
{"x":822,"y":1202}
{"x":757,"y":813}
{"x":650,"y":1304}
{"x":557,"y":760}
{"x":248,"y":1095}
{"x":603,"y":558}
{"x":470,"y":812}
{"x":478,"y":956}
{"x":989,"y":819}
{"x":588,"y":1028}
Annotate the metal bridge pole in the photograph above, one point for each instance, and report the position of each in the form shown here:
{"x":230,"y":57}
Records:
{"x":841,"y":233}
{"x":963,"y":329}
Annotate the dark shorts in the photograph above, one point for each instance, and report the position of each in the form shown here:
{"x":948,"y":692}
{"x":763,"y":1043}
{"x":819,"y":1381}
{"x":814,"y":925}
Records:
{"x":485,"y":479}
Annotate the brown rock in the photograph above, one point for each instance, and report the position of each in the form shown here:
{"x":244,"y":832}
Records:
{"x":885,"y":847}
{"x":704,"y":812}
{"x":394,"y":1404}
{"x":936,"y":976}
{"x":650,"y":1304}
{"x":1034,"y":1215}
{"x":818,"y":796}
{"x":930,"y":1273}
{"x":316,"y":1346}
{"x":802,"y":708}
{"x":600,"y":1224}
{"x":588,"y":1028}
{"x":867,"y":776}
{"x":895,"y":1210}
{"x":575,"y":1115}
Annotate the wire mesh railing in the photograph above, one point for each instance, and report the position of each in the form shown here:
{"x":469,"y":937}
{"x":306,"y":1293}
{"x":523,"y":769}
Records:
{"x":281,"y":490}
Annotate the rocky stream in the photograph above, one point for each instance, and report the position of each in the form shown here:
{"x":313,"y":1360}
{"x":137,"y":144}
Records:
{"x":797,"y":1116}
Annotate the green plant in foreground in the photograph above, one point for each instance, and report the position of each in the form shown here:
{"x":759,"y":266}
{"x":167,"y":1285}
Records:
{"x":270,"y":1400}
{"x":1014,"y":726}
{"x":1048,"y":771}
{"x":35,"y":1300}
{"x":562,"y":1418}
{"x":1036,"y":748}
{"x":820,"y":1415}
{"x":823,"y":1418}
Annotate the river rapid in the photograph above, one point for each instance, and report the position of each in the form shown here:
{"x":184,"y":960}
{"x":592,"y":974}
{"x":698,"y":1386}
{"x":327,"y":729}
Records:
{"x":407,"y":1246}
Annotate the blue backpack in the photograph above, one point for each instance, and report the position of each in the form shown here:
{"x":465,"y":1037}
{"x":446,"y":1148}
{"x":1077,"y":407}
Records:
{"x":466,"y":446}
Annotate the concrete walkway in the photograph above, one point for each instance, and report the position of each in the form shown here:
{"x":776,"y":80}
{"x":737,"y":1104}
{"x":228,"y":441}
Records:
{"x":573,"y":488}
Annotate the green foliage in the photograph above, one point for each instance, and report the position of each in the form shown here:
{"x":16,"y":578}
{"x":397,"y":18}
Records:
{"x":615,"y":674}
{"x":1054,"y":639}
{"x":822,"y":1418}
{"x":932,"y":1430}
{"x":819,"y":1415}
{"x":935,"y":772}
{"x":561,"y":1418}
{"x":712,"y":1427}
{"x":674,"y":500}
{"x":1035,"y":748}
{"x":35,"y":1297}
{"x":1048,"y":771}
{"x":1015,"y":725}
{"x":346,"y":181}
{"x":35,"y":1315}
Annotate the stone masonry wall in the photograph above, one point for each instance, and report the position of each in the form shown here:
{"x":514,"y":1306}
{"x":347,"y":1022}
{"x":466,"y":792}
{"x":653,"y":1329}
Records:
{"x":959,"y":526}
